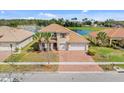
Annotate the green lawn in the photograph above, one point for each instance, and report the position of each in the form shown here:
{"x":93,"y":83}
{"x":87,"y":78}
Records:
{"x":25,"y":68}
{"x":34,"y":57}
{"x":87,"y":28}
{"x":28,"y":55}
{"x":121,"y":66}
{"x":104,"y":54}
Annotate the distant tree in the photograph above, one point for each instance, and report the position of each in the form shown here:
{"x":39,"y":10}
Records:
{"x":75,"y":18}
{"x":87,"y":21}
{"x":61,"y":21}
{"x":109,"y":23}
{"x":13,"y":24}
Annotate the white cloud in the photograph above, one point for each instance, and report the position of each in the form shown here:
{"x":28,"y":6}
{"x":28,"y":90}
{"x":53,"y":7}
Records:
{"x":2,"y":12}
{"x":48,"y":15}
{"x":27,"y":18}
{"x":84,"y":11}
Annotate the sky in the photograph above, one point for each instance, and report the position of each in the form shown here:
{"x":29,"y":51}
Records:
{"x":99,"y":15}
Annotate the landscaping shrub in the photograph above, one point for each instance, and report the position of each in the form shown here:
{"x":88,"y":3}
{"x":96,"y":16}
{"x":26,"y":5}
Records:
{"x":30,"y":49}
{"x":35,"y":46}
{"x":16,"y":49}
{"x":91,"y":52}
{"x":107,"y":67}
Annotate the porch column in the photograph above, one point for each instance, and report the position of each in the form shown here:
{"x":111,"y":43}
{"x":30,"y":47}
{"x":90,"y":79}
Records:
{"x":110,"y":42}
{"x":51,"y":45}
{"x":40,"y":46}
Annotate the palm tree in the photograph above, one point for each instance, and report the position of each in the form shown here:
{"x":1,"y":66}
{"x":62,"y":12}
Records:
{"x":38,"y":37}
{"x":102,"y":39}
{"x":47,"y":37}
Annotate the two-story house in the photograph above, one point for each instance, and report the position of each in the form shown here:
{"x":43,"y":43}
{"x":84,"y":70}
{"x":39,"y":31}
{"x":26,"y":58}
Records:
{"x":64,"y":39}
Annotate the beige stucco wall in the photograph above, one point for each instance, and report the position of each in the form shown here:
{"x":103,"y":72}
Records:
{"x":25,"y":42}
{"x":5,"y":46}
{"x":63,"y":45}
{"x":62,"y":41}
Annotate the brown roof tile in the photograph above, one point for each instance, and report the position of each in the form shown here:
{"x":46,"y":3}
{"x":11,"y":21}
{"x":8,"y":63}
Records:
{"x":55,"y":28}
{"x":114,"y":32}
{"x":76,"y":38}
{"x":73,"y":36}
{"x":9,"y":34}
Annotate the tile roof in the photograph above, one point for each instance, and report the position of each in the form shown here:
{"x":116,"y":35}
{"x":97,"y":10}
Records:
{"x":113,"y":32}
{"x":76,"y":38}
{"x":55,"y":28}
{"x":73,"y":36}
{"x":10,"y":34}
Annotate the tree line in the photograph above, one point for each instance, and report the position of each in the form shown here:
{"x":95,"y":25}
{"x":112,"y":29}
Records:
{"x":67,"y":23}
{"x":39,"y":22}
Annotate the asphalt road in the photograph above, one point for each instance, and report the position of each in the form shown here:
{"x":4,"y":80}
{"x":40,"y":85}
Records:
{"x":71,"y":77}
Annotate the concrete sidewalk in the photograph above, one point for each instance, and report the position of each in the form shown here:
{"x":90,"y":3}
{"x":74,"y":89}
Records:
{"x":62,"y":63}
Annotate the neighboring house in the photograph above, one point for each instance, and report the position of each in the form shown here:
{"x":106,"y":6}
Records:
{"x":18,"y":38}
{"x":64,"y":39}
{"x":113,"y":33}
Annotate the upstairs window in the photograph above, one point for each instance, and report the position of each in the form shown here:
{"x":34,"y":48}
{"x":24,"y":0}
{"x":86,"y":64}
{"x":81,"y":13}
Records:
{"x":62,"y":35}
{"x":54,"y":35}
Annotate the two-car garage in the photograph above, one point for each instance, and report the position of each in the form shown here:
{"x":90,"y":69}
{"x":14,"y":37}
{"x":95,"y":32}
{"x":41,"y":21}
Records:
{"x":74,"y":46}
{"x":78,"y":46}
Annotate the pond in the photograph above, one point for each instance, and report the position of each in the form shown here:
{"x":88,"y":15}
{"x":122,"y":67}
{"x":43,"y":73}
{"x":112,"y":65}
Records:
{"x":83,"y":32}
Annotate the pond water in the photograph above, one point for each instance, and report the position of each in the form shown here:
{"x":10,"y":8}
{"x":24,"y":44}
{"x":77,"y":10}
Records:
{"x":83,"y":32}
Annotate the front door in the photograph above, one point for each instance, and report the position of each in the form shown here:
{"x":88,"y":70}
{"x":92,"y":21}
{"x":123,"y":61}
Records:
{"x":55,"y":46}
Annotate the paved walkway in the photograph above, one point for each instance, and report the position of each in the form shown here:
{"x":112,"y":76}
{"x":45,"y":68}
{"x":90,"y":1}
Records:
{"x":79,"y":68}
{"x":4,"y":55}
{"x":63,"y":63}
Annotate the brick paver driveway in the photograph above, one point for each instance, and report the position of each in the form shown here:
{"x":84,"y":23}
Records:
{"x":4,"y":55}
{"x":76,"y":56}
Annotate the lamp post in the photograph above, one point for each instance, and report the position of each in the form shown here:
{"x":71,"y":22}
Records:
{"x":11,"y":48}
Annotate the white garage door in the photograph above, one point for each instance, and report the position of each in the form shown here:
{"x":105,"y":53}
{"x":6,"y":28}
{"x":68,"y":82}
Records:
{"x":77,"y":47}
